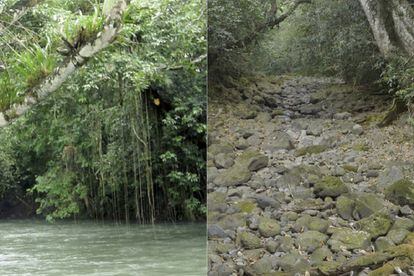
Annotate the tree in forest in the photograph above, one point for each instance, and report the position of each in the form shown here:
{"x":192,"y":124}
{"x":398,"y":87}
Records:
{"x":236,"y":25}
{"x":392,"y":23}
{"x":114,"y":104}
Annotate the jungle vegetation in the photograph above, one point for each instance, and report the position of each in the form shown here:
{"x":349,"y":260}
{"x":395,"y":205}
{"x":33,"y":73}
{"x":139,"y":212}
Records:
{"x":104,"y":110}
{"x":366,"y":42}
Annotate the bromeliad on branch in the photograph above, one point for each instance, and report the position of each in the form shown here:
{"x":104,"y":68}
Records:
{"x":77,"y":58}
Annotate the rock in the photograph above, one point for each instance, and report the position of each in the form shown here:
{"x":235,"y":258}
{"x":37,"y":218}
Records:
{"x":357,"y":129}
{"x":315,"y":149}
{"x":262,"y":266}
{"x":330,"y":186}
{"x":389,"y":176}
{"x":252,"y":160}
{"x":406,"y":210}
{"x":342,"y":116}
{"x":401,"y":192}
{"x":403,"y":223}
{"x":278,"y":141}
{"x":311,"y":223}
{"x":212,"y":173}
{"x":372,"y":173}
{"x":215,"y":149}
{"x":311,"y":240}
{"x":216,"y":201}
{"x":232,"y":222}
{"x":223,"y":160}
{"x":345,"y":207}
{"x":293,"y":263}
{"x":320,"y":255}
{"x":245,"y":206}
{"x":266,"y":201}
{"x":216,"y":232}
{"x":286,"y":243}
{"x":383,"y":243}
{"x":249,"y":240}
{"x":272,"y":246}
{"x":234,"y":176}
{"x":367,"y":204}
{"x":397,"y":236}
{"x":345,"y":238}
{"x":268,"y":227}
{"x":376,"y":225}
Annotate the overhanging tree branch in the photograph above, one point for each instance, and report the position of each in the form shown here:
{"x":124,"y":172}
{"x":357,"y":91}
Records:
{"x":52,"y":83}
{"x":270,"y":23}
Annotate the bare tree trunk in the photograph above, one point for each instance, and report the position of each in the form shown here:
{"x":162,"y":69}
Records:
{"x":392,"y":23}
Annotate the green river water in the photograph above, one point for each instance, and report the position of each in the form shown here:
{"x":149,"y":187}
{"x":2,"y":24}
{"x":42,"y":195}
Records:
{"x":85,"y":248}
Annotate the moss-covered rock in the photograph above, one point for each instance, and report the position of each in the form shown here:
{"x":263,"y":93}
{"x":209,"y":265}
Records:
{"x":345,"y":238}
{"x":401,"y":192}
{"x":249,"y":240}
{"x":312,"y":223}
{"x":268,"y":227}
{"x":345,"y":207}
{"x":234,"y":176}
{"x":350,"y":168}
{"x":245,"y":206}
{"x":320,"y":254}
{"x":252,"y":160}
{"x":376,"y":225}
{"x":315,"y":149}
{"x":367,"y":204}
{"x":311,"y":240}
{"x":330,"y":186}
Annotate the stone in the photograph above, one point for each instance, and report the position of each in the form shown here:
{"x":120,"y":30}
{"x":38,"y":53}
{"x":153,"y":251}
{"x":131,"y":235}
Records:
{"x":232,"y":222}
{"x":215,"y":149}
{"x":376,"y":225}
{"x":249,"y":240}
{"x":212,"y":173}
{"x":311,"y":240}
{"x":312,"y":223}
{"x":320,"y":255}
{"x":367,"y":204}
{"x":262,"y":266}
{"x":346,"y":238}
{"x":245,"y":206}
{"x":383,"y":243}
{"x":216,"y":201}
{"x":314,"y":149}
{"x":278,"y":141}
{"x":252,"y":160}
{"x":403,"y":223}
{"x":272,"y":246}
{"x":234,"y":176}
{"x":223,"y":160}
{"x":342,"y":116}
{"x":268,"y":227}
{"x":345,"y":207}
{"x":389,"y":176}
{"x":266,"y":201}
{"x":401,"y":192}
{"x":216,"y":232}
{"x":330,"y":186}
{"x":397,"y":236}
{"x":293,"y":263}
{"x":357,"y":129}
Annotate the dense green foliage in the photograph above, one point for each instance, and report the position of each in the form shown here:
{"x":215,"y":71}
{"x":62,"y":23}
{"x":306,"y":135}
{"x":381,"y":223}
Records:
{"x":330,"y":38}
{"x":124,"y":138}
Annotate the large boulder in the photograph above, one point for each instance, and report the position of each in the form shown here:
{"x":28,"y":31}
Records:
{"x":278,"y":141}
{"x":268,"y":227}
{"x":249,"y":240}
{"x":376,"y":225}
{"x":330,"y":186}
{"x":401,"y":192}
{"x":252,"y":160}
{"x":311,"y":240}
{"x":236,"y":175}
{"x":346,"y":238}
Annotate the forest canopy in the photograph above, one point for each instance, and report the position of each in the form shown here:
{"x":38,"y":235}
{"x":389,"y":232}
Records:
{"x":121,"y":138}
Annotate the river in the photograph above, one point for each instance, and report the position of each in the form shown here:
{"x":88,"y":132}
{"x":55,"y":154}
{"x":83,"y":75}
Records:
{"x":30,"y":247}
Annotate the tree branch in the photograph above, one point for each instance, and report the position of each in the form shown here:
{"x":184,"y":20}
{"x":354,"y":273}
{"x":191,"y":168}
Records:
{"x":52,"y":83}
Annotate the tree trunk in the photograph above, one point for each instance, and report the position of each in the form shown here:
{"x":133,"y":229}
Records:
{"x":392,"y":23}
